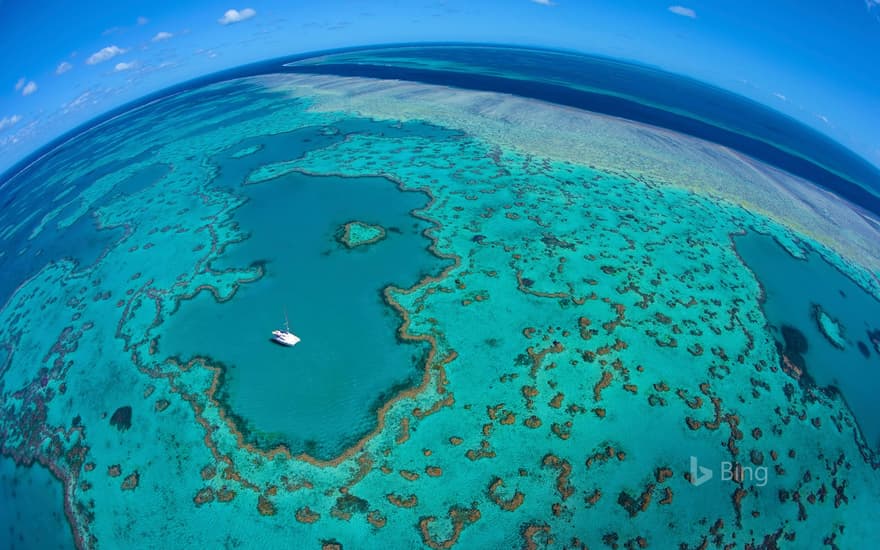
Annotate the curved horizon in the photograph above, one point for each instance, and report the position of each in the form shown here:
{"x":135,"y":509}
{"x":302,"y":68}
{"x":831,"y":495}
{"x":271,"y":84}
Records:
{"x":861,"y":190}
{"x":790,"y":58}
{"x":543,"y":281}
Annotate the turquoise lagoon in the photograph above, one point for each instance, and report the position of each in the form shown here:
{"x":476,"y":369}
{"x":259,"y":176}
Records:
{"x":795,"y":291}
{"x":317,"y":400}
{"x":556,"y":321}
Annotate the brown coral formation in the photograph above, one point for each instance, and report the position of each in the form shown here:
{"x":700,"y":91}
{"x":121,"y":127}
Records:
{"x":265,"y":506}
{"x":562,"y":431}
{"x":601,"y":456}
{"x":292,"y":486}
{"x":532,"y":530}
{"x":447,"y":401}
{"x":306,"y":515}
{"x":529,"y":393}
{"x":694,"y":403}
{"x":344,"y":235}
{"x":401,"y":502}
{"x":483,"y":452}
{"x":510,"y":504}
{"x":131,"y":481}
{"x":603,"y":383}
{"x":655,"y":401}
{"x":537,"y":357}
{"x":403,"y":434}
{"x":634,"y":506}
{"x":409,"y":475}
{"x":696,"y":350}
{"x":756,"y":456}
{"x":737,"y":498}
{"x":563,"y":486}
{"x":460,"y":518}
{"x":584,"y":325}
{"x":204,"y":496}
{"x":532,"y":422}
{"x":663,"y":474}
{"x":492,"y":412}
{"x":376,"y":519}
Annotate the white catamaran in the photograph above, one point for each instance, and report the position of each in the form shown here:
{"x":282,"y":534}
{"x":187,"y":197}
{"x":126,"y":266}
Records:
{"x":285,"y":337}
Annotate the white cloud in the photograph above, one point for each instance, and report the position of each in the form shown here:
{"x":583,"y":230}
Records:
{"x":29,"y":88}
{"x":125,"y":66}
{"x":683,"y":11}
{"x":20,"y":84}
{"x":104,"y":54}
{"x":208,"y":53}
{"x":20,"y":133}
{"x":9,"y":121}
{"x":142,"y":20}
{"x":824,"y":119}
{"x":780,"y":96}
{"x":76,"y":103}
{"x":544,"y":2}
{"x":234,"y":16}
{"x":63,"y":67}
{"x":162,"y":35}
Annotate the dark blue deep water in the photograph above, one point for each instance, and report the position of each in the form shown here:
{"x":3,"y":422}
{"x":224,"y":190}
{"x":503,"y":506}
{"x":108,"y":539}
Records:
{"x":631,"y":91}
{"x":614,"y":87}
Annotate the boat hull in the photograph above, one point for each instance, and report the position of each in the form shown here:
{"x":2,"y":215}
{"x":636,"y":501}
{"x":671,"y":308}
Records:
{"x":285,"y":338}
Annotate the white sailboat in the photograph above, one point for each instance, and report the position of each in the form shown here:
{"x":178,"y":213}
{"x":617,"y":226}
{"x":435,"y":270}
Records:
{"x":285,"y":337}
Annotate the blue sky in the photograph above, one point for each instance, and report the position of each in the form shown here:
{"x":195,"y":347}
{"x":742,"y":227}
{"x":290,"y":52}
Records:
{"x":66,"y":62}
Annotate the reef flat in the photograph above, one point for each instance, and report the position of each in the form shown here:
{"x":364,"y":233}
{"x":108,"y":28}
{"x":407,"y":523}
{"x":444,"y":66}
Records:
{"x":355,"y":234}
{"x":587,"y":321}
{"x":613,"y":145}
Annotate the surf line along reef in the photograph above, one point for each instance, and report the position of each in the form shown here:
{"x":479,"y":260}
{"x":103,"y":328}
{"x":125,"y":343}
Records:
{"x":577,"y":302}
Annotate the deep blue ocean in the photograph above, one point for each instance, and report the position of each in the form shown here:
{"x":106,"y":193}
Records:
{"x":614,"y":87}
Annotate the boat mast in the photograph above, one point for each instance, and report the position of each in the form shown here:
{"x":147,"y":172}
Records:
{"x":286,"y":323}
